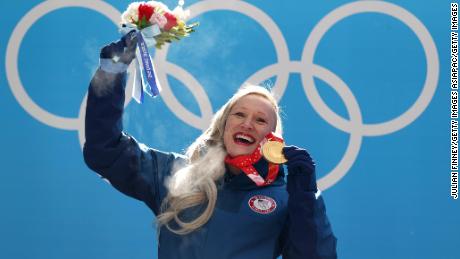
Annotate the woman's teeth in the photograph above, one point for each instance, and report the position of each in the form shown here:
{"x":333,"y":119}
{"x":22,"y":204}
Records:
{"x":243,"y":139}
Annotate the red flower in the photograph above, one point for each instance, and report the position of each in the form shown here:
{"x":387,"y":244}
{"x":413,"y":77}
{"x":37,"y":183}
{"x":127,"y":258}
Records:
{"x":146,"y":11}
{"x":172,"y":21}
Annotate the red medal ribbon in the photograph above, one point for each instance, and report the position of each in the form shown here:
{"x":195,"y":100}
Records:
{"x":246,"y":164}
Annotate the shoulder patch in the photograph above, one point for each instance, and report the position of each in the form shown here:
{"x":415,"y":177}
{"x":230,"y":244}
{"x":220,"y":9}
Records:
{"x":262,"y":204}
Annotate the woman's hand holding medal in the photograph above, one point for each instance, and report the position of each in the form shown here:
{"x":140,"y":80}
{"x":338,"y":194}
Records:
{"x":301,"y":169}
{"x":300,"y":165}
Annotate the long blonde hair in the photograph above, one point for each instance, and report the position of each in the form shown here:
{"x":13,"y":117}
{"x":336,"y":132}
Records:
{"x":195,"y":184}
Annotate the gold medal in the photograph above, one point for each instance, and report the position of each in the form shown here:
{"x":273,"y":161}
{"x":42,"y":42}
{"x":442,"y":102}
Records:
{"x":273,"y":152}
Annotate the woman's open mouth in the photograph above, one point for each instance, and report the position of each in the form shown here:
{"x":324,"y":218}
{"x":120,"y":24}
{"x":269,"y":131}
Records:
{"x":243,"y":139}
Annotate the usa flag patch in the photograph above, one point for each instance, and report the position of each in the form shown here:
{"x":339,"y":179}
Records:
{"x":262,"y":204}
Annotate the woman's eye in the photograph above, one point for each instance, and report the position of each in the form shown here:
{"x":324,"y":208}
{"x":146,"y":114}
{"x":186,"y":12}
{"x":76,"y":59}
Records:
{"x":239,"y":114}
{"x":261,"y":120}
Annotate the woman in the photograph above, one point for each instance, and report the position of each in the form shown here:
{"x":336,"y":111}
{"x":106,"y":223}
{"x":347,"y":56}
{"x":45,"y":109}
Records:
{"x":220,"y":200}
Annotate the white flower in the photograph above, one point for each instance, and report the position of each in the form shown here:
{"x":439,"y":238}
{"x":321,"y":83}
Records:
{"x":158,"y":19}
{"x":181,"y":13}
{"x":160,"y":5}
{"x":131,"y":15}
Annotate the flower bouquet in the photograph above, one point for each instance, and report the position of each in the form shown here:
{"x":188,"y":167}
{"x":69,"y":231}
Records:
{"x":171,"y":24}
{"x":155,"y":25}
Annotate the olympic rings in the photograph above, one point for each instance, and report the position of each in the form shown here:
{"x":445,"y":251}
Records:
{"x":282,"y":69}
{"x":429,"y":49}
{"x":12,"y":51}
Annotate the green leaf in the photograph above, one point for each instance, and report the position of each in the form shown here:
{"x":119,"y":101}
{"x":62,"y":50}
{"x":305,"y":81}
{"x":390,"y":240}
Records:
{"x":144,"y":23}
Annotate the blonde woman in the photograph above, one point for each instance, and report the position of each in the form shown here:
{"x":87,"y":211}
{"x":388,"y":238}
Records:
{"x":221,"y":199}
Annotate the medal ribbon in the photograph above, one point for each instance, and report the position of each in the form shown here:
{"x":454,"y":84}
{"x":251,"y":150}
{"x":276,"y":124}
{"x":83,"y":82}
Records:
{"x":246,"y":164}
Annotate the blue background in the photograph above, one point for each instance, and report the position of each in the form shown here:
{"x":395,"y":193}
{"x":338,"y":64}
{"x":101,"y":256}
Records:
{"x":394,"y":202}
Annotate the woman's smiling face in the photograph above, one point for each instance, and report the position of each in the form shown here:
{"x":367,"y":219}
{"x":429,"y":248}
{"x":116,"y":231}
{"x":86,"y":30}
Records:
{"x":249,"y":121}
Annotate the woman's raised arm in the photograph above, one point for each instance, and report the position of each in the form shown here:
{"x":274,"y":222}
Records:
{"x":130,"y":166}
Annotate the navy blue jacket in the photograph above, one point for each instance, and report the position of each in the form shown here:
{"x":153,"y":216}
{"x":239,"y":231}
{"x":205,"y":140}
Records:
{"x":249,"y":222}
